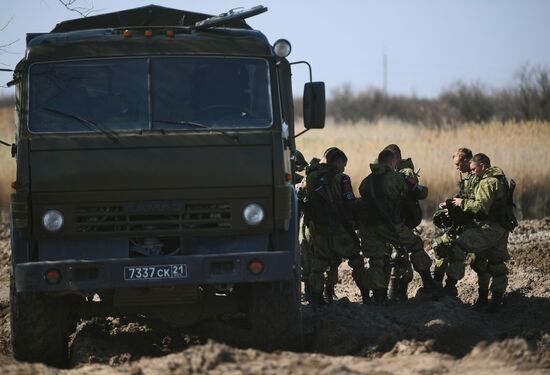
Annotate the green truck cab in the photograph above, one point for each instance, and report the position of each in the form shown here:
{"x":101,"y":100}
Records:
{"x":155,"y":158}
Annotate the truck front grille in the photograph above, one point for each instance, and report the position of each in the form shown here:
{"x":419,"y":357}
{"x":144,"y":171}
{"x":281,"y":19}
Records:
{"x":153,"y":218}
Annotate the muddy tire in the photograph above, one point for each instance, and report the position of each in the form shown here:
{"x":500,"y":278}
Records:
{"x":275,"y":316}
{"x":40,"y":327}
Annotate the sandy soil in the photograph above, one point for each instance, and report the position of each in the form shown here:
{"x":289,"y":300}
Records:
{"x":416,"y":337}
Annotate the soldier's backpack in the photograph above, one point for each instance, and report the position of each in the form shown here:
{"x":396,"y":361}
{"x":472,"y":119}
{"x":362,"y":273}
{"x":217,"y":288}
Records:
{"x":411,"y":211}
{"x":503,"y":209}
{"x":305,"y":201}
{"x":314,"y":208}
{"x":508,"y":218}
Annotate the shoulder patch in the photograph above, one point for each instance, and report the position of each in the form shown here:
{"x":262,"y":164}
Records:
{"x":347,"y":190}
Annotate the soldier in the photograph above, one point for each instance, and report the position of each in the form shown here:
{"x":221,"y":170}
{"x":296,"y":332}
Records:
{"x":447,"y":261}
{"x":404,"y":166}
{"x":381,"y":223}
{"x":331,"y":201}
{"x":305,"y":244}
{"x":401,"y":269}
{"x":491,"y":208}
{"x":331,"y":279}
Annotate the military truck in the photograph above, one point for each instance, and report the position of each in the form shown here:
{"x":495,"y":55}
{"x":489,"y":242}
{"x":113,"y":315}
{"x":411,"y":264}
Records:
{"x":155,"y":155}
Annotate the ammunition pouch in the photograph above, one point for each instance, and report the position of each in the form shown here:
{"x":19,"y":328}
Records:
{"x":419,"y":192}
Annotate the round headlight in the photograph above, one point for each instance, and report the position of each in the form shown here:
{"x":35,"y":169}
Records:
{"x":52,"y":220}
{"x":253,"y":214}
{"x":282,"y":48}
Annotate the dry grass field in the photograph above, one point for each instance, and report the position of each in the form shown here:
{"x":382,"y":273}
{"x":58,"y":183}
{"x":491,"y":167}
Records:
{"x":520,"y":149}
{"x":421,"y":336}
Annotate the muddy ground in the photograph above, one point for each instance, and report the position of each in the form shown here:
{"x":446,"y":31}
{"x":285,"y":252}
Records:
{"x":416,"y":337}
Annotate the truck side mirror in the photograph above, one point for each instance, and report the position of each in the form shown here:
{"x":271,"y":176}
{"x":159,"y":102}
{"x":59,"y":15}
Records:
{"x":314,"y":105}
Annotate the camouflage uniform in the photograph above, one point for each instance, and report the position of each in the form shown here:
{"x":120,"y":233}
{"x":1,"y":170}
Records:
{"x":305,"y":244}
{"x":401,"y":270}
{"x":446,"y":261}
{"x":488,"y":240}
{"x":331,"y":240}
{"x":390,"y":190}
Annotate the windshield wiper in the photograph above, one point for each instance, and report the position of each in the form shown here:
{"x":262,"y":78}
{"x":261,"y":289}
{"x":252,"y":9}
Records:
{"x":233,"y":138}
{"x":88,"y":123}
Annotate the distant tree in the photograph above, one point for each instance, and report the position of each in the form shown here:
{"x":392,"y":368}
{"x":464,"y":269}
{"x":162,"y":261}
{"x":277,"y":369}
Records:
{"x":470,"y":102}
{"x":527,"y":98}
{"x":82,"y":7}
{"x":4,"y":46}
{"x":533,"y":92}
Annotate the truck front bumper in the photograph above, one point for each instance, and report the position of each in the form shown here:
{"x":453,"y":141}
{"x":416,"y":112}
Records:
{"x":89,"y":275}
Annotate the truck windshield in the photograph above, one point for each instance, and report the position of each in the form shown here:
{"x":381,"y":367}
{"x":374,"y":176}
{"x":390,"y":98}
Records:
{"x":149,"y":93}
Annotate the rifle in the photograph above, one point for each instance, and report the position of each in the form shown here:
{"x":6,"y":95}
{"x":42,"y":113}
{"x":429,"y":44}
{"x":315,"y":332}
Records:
{"x":324,"y":192}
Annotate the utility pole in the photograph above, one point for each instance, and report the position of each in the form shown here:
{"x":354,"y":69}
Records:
{"x":385,"y":72}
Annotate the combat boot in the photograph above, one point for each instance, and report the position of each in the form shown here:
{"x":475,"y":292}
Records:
{"x":450,"y":287}
{"x":329,"y":295}
{"x":438,"y":279}
{"x":496,"y":302}
{"x":482,"y":300}
{"x":427,"y":280}
{"x":380,"y":296}
{"x":449,"y":290}
{"x":402,"y":288}
{"x":429,"y":286}
{"x":398,"y":291}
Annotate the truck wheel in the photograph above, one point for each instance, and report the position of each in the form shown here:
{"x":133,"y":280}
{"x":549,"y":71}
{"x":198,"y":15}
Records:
{"x":275,"y":315}
{"x":40,"y":327}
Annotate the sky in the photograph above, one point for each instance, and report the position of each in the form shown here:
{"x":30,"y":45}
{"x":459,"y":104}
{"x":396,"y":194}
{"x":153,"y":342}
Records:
{"x":429,"y":44}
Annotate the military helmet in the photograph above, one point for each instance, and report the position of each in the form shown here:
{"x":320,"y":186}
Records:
{"x":329,"y":150}
{"x":300,"y":162}
{"x":333,"y":153}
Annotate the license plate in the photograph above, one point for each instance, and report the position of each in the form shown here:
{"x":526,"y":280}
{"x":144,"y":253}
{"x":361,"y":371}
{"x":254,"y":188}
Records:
{"x":172,"y":271}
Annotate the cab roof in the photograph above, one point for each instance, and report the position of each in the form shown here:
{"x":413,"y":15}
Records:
{"x":150,"y":15}
{"x":194,"y":33}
